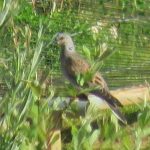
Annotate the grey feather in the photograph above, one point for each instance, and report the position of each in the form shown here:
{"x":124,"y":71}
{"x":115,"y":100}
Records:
{"x":73,"y":64}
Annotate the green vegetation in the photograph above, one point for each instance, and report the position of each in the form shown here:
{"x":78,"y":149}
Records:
{"x":29,"y":66}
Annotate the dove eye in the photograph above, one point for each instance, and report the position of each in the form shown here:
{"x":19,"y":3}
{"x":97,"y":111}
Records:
{"x":61,"y":38}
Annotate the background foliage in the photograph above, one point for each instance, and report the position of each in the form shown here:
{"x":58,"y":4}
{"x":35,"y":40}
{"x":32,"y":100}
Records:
{"x":115,"y":34}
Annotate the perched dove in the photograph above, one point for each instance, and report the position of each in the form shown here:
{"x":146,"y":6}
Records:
{"x":73,"y":65}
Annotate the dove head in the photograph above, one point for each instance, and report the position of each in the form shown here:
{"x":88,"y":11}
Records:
{"x":64,"y":40}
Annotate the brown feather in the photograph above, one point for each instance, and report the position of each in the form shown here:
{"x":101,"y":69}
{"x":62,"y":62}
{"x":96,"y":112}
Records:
{"x":73,"y":65}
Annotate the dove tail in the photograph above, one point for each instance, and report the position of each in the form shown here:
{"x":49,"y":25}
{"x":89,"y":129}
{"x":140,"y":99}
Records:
{"x":112,"y":102}
{"x":118,"y":114}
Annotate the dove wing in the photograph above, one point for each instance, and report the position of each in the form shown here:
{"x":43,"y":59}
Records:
{"x":74,"y":65}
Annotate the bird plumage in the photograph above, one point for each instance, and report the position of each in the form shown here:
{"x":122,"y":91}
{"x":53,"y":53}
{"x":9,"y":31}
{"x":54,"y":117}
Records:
{"x":73,"y":64}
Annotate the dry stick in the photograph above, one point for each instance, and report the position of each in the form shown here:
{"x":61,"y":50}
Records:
{"x":129,"y":96}
{"x":126,"y":96}
{"x":54,"y":135}
{"x":132,"y":95}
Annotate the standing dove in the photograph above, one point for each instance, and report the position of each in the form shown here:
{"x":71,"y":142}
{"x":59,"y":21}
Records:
{"x":73,"y":65}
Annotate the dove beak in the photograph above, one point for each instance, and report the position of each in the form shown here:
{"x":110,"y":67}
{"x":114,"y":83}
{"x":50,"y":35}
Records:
{"x":53,"y":40}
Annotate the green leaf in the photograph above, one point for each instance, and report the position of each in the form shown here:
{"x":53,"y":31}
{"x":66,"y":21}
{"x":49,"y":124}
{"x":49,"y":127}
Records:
{"x":4,"y":13}
{"x":55,"y":138}
{"x":87,"y":52}
{"x":36,"y":89}
{"x":94,"y":136}
{"x":144,"y":117}
{"x":80,"y":79}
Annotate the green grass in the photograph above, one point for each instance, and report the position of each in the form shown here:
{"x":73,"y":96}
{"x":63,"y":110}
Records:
{"x":28,"y":63}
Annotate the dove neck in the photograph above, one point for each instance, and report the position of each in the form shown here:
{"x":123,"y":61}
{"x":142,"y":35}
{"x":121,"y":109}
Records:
{"x":68,"y":48}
